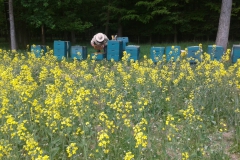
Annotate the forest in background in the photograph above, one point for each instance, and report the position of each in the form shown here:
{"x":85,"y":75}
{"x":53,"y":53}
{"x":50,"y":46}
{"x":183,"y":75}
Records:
{"x":143,"y":21}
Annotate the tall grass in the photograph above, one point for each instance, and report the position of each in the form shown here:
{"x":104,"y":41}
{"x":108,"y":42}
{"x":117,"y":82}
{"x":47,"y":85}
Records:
{"x":118,"y":110}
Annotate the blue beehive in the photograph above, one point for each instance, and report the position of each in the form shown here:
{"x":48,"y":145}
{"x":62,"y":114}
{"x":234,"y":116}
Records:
{"x":98,"y":56}
{"x":125,"y":41}
{"x":235,"y":53}
{"x":156,"y":53}
{"x":60,"y":49}
{"x":114,"y":50}
{"x":115,"y":44}
{"x":216,"y":52}
{"x":114,"y":55}
{"x":194,"y":54}
{"x":134,"y":52}
{"x":173,"y":53}
{"x":38,"y":50}
{"x":79,"y":52}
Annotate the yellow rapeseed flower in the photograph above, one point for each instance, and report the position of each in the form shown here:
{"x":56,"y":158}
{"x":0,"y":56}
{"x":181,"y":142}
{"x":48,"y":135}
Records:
{"x":72,"y":149}
{"x":129,"y":156}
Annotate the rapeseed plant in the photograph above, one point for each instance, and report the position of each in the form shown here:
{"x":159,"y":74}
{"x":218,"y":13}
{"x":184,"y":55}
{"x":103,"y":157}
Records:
{"x":103,"y":140}
{"x":185,"y":156}
{"x":129,"y":156}
{"x":5,"y":148}
{"x":91,"y":109}
{"x":71,"y":149}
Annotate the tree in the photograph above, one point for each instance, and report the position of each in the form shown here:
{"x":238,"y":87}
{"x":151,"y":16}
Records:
{"x":39,"y":13}
{"x":4,"y":25}
{"x":140,"y":20}
{"x":115,"y":13}
{"x":224,"y":24}
{"x":235,"y":19}
{"x":74,"y":18}
{"x":12,"y":27}
{"x":157,"y":15}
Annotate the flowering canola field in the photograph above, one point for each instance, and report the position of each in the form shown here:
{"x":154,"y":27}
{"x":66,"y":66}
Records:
{"x":127,"y":110}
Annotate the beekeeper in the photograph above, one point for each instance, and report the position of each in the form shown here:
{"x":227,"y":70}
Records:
{"x":99,"y":42}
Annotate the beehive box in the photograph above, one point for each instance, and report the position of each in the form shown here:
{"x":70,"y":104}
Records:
{"x":115,"y":44}
{"x":194,"y":54}
{"x":156,"y":53}
{"x":125,"y":41}
{"x":114,"y":50}
{"x":235,"y":53}
{"x":78,"y":52}
{"x":38,"y":50}
{"x":60,"y":49}
{"x":173,"y":53}
{"x":98,"y":56}
{"x":134,"y":52}
{"x":216,"y":52}
{"x":116,"y":55}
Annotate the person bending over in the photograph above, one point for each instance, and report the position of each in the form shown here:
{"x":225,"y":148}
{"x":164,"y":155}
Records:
{"x":99,"y":42}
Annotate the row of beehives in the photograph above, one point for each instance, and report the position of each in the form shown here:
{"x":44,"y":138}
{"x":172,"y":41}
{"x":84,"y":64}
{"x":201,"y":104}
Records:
{"x":115,"y":50}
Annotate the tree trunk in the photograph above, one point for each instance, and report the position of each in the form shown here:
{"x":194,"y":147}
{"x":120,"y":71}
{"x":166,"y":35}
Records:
{"x":119,"y":31}
{"x":43,"y":34}
{"x":150,"y":39}
{"x":65,"y":35}
{"x":73,"y":37}
{"x":19,"y":36}
{"x":22,"y":34}
{"x":12,"y":27}
{"x":119,"y":34}
{"x":224,"y":24}
{"x":207,"y":38}
{"x":108,"y":17}
{"x":6,"y":34}
{"x":26,"y":37}
{"x":175,"y":34}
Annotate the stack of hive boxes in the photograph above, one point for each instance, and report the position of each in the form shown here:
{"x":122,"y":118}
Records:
{"x":38,"y":50}
{"x":216,"y":52}
{"x":194,"y":54}
{"x":79,"y":52}
{"x":235,"y":53}
{"x":134,"y":52}
{"x":98,"y":56}
{"x":125,"y":41}
{"x":156,"y":53}
{"x":61,"y":49}
{"x":173,"y":53}
{"x":115,"y":50}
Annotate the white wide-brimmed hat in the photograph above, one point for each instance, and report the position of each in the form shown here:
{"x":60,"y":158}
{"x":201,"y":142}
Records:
{"x":100,"y":37}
